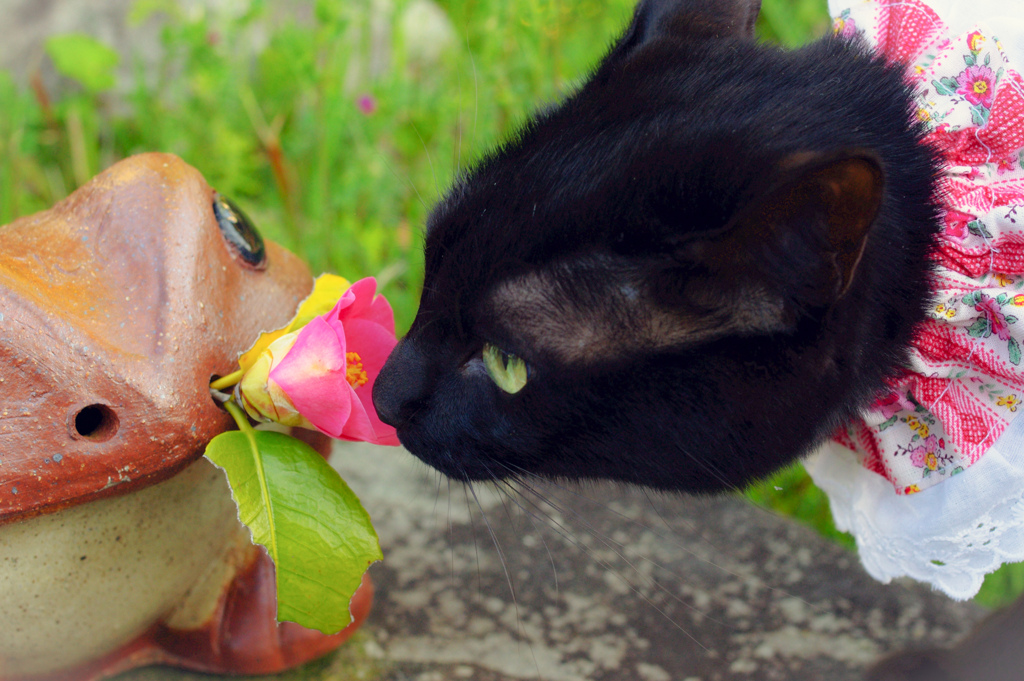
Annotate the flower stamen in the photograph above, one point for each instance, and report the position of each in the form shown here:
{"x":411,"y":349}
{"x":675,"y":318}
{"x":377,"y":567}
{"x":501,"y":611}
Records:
{"x":354,"y":373}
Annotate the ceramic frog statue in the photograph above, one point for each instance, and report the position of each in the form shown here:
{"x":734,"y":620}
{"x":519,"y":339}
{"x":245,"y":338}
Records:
{"x":119,"y":545}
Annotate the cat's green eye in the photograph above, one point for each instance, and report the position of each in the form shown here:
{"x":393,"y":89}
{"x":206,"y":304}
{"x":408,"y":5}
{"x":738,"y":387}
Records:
{"x":506,"y":370}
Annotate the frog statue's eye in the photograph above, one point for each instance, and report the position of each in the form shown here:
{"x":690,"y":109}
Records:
{"x":506,"y":370}
{"x":238,"y":231}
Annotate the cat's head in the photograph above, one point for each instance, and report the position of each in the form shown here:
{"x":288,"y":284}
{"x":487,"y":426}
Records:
{"x":685,"y":275}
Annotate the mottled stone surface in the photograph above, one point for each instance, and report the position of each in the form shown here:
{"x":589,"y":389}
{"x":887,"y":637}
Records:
{"x":609,"y":584}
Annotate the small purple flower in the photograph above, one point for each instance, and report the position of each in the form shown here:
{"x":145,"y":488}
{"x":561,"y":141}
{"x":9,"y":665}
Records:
{"x":367,"y":104}
{"x":977,"y":85}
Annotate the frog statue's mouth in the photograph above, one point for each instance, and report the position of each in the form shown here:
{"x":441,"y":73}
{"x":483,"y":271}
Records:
{"x":116,"y":307}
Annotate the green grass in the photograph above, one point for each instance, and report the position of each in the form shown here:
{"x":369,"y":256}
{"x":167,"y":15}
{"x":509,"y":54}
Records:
{"x":282,"y":133}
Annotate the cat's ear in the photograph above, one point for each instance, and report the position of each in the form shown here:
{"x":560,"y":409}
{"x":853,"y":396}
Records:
{"x":688,"y":18}
{"x":804,"y":232}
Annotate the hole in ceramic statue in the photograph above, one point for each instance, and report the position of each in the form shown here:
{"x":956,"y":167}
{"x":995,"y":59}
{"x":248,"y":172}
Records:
{"x":219,"y":397}
{"x":96,"y":422}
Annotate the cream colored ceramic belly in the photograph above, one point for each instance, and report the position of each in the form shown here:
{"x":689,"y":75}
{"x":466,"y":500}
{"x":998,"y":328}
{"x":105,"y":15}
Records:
{"x":82,"y":582}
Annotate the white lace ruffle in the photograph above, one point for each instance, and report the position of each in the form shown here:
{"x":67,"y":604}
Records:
{"x":950,"y":535}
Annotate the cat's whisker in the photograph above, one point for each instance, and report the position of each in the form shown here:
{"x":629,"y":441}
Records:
{"x":404,"y":179}
{"x":711,"y":468}
{"x":476,"y":95}
{"x":567,"y":534}
{"x":451,"y":542}
{"x":508,"y":577}
{"x":519,"y":626}
{"x":563,"y":509}
{"x":530,"y":517}
{"x":497,"y":546}
{"x":690,"y":526}
{"x":437,"y":492}
{"x":667,"y":538}
{"x":430,"y":161}
{"x":476,"y":547}
{"x":608,"y":542}
{"x":457,"y":141}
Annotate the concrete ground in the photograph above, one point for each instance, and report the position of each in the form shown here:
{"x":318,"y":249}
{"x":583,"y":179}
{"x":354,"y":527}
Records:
{"x":608,"y":584}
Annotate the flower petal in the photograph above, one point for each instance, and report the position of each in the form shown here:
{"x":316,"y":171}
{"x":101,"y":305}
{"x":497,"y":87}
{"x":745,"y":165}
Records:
{"x":369,"y":306}
{"x":312,"y":374}
{"x":326,"y":288}
{"x":364,"y":290}
{"x":359,"y":427}
{"x":373,"y":344}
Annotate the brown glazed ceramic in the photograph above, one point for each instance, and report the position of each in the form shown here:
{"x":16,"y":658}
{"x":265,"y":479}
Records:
{"x":116,"y":308}
{"x":122,"y":300}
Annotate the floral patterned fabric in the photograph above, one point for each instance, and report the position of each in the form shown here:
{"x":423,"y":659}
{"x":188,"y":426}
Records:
{"x":965,"y":383}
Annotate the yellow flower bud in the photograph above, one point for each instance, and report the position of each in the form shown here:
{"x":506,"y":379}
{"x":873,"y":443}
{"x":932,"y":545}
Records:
{"x":263,"y":399}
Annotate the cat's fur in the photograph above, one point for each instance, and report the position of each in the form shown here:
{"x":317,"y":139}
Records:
{"x":711,"y":255}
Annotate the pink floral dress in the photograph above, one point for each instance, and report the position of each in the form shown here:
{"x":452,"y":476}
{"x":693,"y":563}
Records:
{"x":965,"y":383}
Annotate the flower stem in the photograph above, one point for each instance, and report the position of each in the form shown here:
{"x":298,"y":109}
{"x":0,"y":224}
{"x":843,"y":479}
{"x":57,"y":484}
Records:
{"x":241,"y":420}
{"x":227,"y":381}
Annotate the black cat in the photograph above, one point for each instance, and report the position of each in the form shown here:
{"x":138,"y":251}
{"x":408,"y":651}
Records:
{"x":686,"y":275}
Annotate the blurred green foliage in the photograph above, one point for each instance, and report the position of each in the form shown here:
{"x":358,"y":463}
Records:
{"x":336,"y":133}
{"x":280,"y":128}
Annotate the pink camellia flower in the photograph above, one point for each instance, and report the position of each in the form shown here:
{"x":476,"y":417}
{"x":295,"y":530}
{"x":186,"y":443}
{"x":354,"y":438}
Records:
{"x":977,"y":85}
{"x":262,"y":398}
{"x":994,"y":314}
{"x":322,"y":375}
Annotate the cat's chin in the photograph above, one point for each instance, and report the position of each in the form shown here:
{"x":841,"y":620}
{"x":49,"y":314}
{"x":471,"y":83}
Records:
{"x":449,"y":461}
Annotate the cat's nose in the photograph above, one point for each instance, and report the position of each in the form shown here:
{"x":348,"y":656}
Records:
{"x":401,"y":386}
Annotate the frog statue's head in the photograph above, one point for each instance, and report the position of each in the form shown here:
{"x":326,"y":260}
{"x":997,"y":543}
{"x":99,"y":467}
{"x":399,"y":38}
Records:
{"x":119,"y":544}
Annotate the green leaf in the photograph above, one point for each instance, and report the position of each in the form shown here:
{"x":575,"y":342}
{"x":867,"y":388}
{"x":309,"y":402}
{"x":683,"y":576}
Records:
{"x":977,"y":227}
{"x":979,"y":329}
{"x":1014,"y":348}
{"x":84,"y":59}
{"x":942,"y":89}
{"x":886,"y":424}
{"x":316,"y":531}
{"x":970,"y":59}
{"x":979,"y":115}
